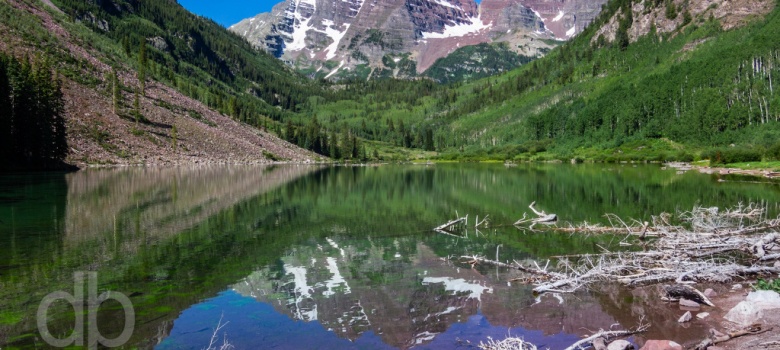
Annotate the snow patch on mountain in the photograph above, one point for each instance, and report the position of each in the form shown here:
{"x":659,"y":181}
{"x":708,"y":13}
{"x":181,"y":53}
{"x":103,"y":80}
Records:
{"x":336,"y":280}
{"x":334,"y":72}
{"x":336,"y":36}
{"x":474,"y":26}
{"x":558,"y":17}
{"x":460,"y":285}
{"x":538,"y":15}
{"x":424,"y":337}
{"x":570,"y":32}
{"x":299,"y":279}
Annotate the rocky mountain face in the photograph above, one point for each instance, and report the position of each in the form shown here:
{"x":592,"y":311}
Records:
{"x":669,"y":16}
{"x":404,"y":38}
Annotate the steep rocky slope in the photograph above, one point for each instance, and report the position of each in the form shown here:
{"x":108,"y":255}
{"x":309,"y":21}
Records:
{"x":173,"y":128}
{"x":344,"y":38}
{"x":669,"y":16}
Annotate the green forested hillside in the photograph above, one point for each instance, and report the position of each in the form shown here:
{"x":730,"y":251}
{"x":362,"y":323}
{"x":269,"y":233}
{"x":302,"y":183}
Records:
{"x":196,"y":55}
{"x":475,"y":62}
{"x":671,"y":95}
{"x":699,"y":86}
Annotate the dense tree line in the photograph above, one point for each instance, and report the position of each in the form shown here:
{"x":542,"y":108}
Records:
{"x":32,"y":132}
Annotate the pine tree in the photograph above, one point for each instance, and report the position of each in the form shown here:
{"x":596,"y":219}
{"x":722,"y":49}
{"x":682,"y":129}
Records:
{"x":24,"y":113}
{"x":334,"y":146}
{"x":51,"y":115}
{"x":126,"y":45}
{"x":289,"y":131}
{"x":347,"y":144}
{"x":233,"y":107}
{"x":428,"y":139}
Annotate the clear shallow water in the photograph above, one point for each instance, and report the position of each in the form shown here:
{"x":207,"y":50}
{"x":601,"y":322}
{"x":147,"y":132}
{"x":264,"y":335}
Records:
{"x":309,"y":257}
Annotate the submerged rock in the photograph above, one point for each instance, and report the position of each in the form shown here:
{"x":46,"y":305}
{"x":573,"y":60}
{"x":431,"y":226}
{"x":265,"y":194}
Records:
{"x":685,"y":317}
{"x":689,"y":303}
{"x":620,"y":345}
{"x":709,"y":293}
{"x":661,"y":345}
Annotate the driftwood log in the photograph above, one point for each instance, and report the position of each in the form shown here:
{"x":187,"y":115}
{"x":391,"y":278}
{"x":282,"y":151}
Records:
{"x":542,"y":217}
{"x":678,"y":291}
{"x":717,"y":337}
{"x":450,"y":226}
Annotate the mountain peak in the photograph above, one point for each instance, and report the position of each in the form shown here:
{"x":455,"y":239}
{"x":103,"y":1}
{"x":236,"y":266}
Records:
{"x":324,"y":37}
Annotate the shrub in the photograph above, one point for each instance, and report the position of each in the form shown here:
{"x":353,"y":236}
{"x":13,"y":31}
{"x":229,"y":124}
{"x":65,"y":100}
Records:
{"x":773,"y":152}
{"x":732,"y":155}
{"x":768,"y":285}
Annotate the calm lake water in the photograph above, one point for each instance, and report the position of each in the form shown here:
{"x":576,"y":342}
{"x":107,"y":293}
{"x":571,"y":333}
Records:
{"x":297,"y":257}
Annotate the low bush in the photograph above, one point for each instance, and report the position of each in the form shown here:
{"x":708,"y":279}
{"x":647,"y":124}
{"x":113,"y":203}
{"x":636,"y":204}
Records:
{"x":768,"y":285}
{"x":729,"y":155}
{"x":773,"y":152}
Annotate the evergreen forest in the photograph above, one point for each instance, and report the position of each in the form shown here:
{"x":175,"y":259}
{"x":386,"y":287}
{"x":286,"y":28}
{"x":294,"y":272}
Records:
{"x":31,"y":115}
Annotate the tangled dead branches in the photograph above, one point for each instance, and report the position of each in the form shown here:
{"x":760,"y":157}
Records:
{"x":510,"y":343}
{"x":704,"y":244}
{"x":514,"y":343}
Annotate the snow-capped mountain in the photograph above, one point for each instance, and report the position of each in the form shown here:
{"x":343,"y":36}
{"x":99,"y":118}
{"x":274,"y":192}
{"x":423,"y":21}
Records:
{"x":406,"y":37}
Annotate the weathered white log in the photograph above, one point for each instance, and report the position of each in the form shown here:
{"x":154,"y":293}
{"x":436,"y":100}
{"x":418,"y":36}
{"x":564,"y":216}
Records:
{"x":446,"y":226}
{"x":543,"y":217}
{"x":515,"y":265}
{"x":770,"y":257}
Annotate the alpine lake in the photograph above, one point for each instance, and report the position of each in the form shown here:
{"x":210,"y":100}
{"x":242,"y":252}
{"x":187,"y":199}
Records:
{"x":329,"y":257}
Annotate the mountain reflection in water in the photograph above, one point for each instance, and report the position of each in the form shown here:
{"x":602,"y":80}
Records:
{"x":414,"y":299}
{"x":331,"y":257}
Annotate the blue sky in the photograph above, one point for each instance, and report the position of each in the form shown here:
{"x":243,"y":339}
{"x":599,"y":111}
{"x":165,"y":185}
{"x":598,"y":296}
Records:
{"x":229,"y":12}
